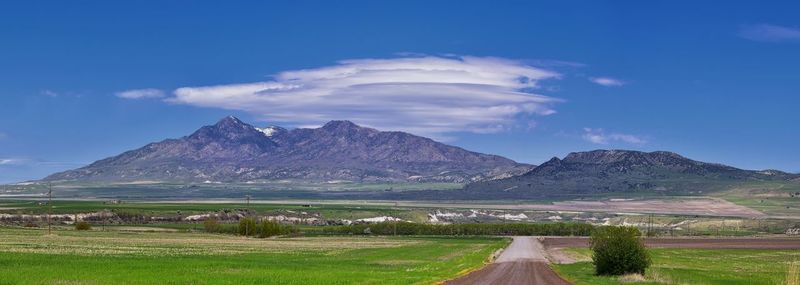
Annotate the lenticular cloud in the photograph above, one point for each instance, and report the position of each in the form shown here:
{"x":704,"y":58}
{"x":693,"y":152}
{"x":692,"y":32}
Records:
{"x":423,"y":95}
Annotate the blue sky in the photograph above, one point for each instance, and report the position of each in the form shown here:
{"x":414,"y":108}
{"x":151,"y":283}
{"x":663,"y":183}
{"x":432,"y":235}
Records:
{"x":527,"y":80}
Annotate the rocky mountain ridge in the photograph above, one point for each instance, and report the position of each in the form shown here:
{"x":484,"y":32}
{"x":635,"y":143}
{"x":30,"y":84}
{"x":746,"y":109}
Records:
{"x":602,"y":172}
{"x":234,"y":151}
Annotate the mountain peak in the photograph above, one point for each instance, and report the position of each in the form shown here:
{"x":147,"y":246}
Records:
{"x":230,"y":130}
{"x":340,"y":124}
{"x":346,"y":127}
{"x":617,"y":155}
{"x":229,"y":121}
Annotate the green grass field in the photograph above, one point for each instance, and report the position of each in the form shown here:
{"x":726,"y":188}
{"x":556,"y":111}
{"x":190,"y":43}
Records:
{"x":697,"y":267}
{"x":69,"y":257}
{"x":772,"y":198}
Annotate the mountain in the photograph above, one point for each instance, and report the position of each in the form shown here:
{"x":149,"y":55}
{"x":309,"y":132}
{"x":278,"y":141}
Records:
{"x":234,"y":151}
{"x":601,"y":172}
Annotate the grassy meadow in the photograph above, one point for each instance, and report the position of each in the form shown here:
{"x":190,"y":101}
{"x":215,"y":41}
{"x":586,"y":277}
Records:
{"x":774,"y":199}
{"x":697,"y":267}
{"x":30,"y":256}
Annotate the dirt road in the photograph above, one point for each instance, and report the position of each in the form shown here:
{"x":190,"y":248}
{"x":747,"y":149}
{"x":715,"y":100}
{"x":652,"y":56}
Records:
{"x":522,"y":262}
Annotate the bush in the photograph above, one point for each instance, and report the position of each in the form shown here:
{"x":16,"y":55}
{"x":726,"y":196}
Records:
{"x":247,"y":226}
{"x":211,"y":225}
{"x":269,"y":229}
{"x":82,"y":226}
{"x":618,"y":251}
{"x":290,"y":230}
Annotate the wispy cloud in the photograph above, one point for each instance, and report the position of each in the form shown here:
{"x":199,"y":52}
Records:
{"x":426,"y":95}
{"x":49,"y":93}
{"x":600,"y":136}
{"x":3,"y":136}
{"x":17,"y":161}
{"x":607,"y":81}
{"x":140,"y":93}
{"x":12,"y":161}
{"x":769,"y":33}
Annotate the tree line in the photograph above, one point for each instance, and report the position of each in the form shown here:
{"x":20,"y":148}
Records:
{"x":250,"y":227}
{"x":504,"y":229}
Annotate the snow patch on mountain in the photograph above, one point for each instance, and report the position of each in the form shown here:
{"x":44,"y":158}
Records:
{"x":269,"y":131}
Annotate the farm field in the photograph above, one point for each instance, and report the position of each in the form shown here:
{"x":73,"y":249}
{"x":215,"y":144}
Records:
{"x":774,"y":199}
{"x":30,"y":256}
{"x":176,"y":214}
{"x":695,"y":266}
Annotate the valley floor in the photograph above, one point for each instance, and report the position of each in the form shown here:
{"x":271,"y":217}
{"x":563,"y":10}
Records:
{"x":701,"y":261}
{"x":698,"y":267}
{"x":127,"y":255}
{"x":30,"y":256}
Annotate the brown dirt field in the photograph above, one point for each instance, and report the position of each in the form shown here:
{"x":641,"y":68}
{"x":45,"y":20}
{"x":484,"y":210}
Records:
{"x":700,"y":206}
{"x":695,"y":206}
{"x":709,"y":243}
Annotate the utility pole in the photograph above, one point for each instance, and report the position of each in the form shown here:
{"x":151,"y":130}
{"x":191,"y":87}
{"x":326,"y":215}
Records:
{"x":395,"y":220}
{"x":49,"y":205}
{"x":247,"y":224}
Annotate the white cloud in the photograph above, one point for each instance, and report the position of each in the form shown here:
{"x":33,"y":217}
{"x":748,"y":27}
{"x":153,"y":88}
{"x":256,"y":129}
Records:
{"x":15,"y":161}
{"x":140,"y":93}
{"x":49,"y":93}
{"x":607,"y":81}
{"x":12,"y":161}
{"x":3,"y":136}
{"x":769,"y":33}
{"x":424,"y":95}
{"x":599,"y":136}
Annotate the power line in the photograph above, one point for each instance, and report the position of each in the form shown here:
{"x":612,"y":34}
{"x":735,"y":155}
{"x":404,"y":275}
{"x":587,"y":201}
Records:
{"x":49,"y":205}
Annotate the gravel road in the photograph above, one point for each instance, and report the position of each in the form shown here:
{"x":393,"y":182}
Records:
{"x":522,"y":262}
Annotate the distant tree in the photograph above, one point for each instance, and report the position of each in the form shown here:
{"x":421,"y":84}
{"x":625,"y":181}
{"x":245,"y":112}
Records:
{"x":290,"y":230}
{"x":247,"y":226}
{"x":618,"y":251}
{"x":269,"y":229}
{"x":211,"y":225}
{"x":82,"y":226}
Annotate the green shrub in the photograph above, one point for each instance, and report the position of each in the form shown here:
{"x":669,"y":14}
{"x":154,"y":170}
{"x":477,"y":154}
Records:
{"x":247,"y":226}
{"x":618,"y":251}
{"x":83,"y":226}
{"x":290,"y":230}
{"x":211,"y":225}
{"x":269,"y":229}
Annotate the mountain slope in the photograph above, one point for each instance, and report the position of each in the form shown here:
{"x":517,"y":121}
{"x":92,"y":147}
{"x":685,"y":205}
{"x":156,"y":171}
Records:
{"x":233,"y":151}
{"x":615,"y":171}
